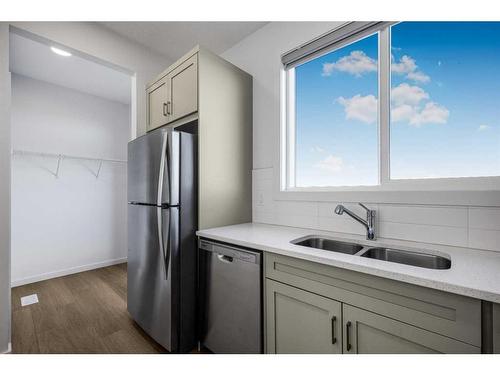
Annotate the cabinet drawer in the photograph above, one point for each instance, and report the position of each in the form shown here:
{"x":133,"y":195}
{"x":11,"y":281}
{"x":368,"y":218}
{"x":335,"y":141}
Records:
{"x":448,"y":314}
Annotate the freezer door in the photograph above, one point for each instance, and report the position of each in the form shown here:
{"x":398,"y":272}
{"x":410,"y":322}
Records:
{"x":153,"y":168}
{"x":151,"y":292}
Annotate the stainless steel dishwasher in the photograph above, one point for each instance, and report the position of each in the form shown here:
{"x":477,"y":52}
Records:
{"x":230,"y":298}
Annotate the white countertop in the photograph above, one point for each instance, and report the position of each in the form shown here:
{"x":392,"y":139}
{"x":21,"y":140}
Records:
{"x":473,"y":273}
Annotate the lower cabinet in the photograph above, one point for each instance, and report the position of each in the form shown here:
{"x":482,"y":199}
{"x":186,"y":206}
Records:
{"x":368,"y":333}
{"x":298,"y":321}
{"x":301,"y":322}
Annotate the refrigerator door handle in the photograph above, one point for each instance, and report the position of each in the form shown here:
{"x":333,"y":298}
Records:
{"x":164,"y":159}
{"x":161,"y":174}
{"x":165,"y":252}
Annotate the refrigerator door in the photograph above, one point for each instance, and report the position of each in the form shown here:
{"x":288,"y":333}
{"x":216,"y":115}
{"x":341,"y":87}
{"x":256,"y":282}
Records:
{"x":153,"y":168}
{"x":153,"y":233}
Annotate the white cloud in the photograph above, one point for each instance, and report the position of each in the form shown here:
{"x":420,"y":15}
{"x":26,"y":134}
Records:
{"x":406,"y":106}
{"x":410,"y":104}
{"x":431,"y":113}
{"x":406,"y":94}
{"x":407,"y":66}
{"x":402,"y":113}
{"x":317,"y":149}
{"x":483,"y":127}
{"x":362,"y":108}
{"x":418,"y":77}
{"x":331,"y":163}
{"x":356,"y":63}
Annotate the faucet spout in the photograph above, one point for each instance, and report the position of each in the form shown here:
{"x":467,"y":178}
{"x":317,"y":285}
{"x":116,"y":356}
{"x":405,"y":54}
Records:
{"x":369,"y":223}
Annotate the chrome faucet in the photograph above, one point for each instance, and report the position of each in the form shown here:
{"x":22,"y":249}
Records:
{"x":369,"y":223}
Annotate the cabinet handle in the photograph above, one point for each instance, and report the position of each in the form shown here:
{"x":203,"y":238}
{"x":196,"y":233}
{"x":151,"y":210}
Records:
{"x":165,"y":109}
{"x":334,"y":322}
{"x":348,"y":335}
{"x":168,"y":108}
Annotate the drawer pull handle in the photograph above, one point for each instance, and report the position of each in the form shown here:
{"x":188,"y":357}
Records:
{"x":165,"y":109}
{"x":348,"y":336}
{"x":334,"y":321}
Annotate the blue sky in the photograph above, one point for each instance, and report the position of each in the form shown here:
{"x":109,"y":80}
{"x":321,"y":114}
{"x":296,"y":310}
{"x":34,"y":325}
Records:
{"x":445,"y":106}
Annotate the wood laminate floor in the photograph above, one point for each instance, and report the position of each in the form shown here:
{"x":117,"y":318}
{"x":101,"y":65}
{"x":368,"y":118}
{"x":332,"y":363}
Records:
{"x":80,"y":313}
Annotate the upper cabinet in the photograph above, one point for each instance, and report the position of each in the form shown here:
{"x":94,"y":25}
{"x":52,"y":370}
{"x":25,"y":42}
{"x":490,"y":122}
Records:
{"x":157,"y":99}
{"x":175,"y":95}
{"x":183,"y":84}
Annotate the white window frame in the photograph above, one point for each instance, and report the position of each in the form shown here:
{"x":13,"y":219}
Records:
{"x":475,"y":191}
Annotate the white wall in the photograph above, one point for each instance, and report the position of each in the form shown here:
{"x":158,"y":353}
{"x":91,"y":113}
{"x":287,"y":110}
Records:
{"x":259,"y":54}
{"x":107,"y":46}
{"x":4,"y":189}
{"x":76,"y":221}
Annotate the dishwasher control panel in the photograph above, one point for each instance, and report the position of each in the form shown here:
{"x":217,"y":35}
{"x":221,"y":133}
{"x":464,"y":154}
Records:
{"x":235,"y":253}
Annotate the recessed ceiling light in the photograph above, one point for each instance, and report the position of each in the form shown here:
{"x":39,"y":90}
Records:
{"x":60,"y":51}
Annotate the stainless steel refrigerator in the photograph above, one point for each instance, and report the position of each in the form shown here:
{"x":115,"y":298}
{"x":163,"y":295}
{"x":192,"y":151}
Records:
{"x":162,"y":260}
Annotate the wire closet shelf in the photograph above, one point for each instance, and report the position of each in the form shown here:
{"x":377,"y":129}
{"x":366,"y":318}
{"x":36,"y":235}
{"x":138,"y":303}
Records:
{"x":60,"y":157}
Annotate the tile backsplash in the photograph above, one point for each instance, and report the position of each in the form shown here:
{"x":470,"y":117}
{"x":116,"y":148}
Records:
{"x":474,"y":227}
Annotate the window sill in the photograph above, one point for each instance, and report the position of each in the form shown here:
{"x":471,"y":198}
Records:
{"x":484,"y":191}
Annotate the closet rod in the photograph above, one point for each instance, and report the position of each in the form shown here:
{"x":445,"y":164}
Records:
{"x":65,"y":156}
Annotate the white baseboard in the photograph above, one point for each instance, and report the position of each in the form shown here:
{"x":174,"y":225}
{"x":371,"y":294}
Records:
{"x":9,"y":349}
{"x":67,"y":271}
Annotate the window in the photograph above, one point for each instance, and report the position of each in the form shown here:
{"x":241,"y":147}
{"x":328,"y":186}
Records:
{"x":336,"y":117}
{"x":372,"y":105}
{"x":445,"y":100}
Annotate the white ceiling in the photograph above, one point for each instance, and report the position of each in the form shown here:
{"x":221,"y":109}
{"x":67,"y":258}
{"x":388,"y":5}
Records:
{"x":34,"y":59}
{"x":173,"y":39}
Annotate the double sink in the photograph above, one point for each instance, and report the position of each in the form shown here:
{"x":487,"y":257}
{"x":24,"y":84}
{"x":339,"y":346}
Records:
{"x":411,"y":258}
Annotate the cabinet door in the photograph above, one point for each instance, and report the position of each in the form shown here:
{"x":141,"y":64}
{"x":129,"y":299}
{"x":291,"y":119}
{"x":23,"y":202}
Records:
{"x":157,"y":102}
{"x":365,"y":332}
{"x":183,"y":82}
{"x":301,"y":322}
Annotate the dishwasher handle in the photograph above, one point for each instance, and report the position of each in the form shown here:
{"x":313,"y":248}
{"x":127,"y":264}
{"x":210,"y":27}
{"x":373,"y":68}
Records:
{"x":224,"y":258}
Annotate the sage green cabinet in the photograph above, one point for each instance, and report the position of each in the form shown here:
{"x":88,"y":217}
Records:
{"x":157,"y":102}
{"x":301,"y":322}
{"x":369,"y":333}
{"x":183,"y":84}
{"x":173,"y":96}
{"x":496,"y":328}
{"x":373,"y":314}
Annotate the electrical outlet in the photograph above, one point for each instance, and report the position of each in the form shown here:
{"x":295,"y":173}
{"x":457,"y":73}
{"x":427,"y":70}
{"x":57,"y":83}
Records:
{"x":260,"y":198}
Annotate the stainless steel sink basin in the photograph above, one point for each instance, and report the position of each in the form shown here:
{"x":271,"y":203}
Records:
{"x":408,"y":257}
{"x":411,"y":258}
{"x":329,"y":245}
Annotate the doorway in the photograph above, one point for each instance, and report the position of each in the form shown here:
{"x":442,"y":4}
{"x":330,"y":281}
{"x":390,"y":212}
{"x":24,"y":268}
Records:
{"x":71,"y":121}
